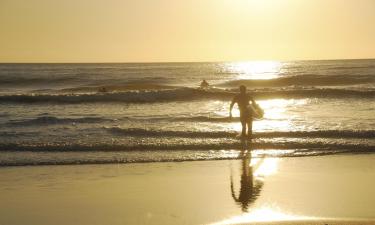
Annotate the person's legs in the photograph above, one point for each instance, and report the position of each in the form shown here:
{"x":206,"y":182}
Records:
{"x":243,"y":123}
{"x":250,"y":127}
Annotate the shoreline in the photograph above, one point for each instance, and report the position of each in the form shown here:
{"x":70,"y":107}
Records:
{"x":17,"y":164}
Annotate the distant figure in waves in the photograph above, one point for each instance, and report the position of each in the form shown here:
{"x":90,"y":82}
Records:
{"x":103,"y":90}
{"x":242,"y":99}
{"x":204,"y":84}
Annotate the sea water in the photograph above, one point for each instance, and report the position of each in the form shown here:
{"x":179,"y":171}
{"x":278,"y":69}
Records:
{"x":150,"y":112}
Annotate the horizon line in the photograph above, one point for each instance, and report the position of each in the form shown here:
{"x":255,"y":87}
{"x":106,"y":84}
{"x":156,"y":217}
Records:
{"x":215,"y":61}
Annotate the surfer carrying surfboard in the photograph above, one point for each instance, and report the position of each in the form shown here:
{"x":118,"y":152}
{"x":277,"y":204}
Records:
{"x":247,"y":110}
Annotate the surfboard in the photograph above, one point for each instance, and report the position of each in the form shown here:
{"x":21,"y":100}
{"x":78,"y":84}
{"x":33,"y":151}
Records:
{"x":256,"y":111}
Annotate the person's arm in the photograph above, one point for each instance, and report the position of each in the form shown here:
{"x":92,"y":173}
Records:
{"x":231,"y":107}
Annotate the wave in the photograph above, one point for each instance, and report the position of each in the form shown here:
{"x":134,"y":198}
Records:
{"x":192,"y":119}
{"x":24,"y":80}
{"x":67,"y":153}
{"x":223,"y":145}
{"x":4,"y":114}
{"x":49,"y":120}
{"x":208,"y":119}
{"x":181,"y":94}
{"x":224,"y":134}
{"x":309,"y":80}
{"x":84,"y":158}
{"x":132,"y":86}
{"x":17,"y":134}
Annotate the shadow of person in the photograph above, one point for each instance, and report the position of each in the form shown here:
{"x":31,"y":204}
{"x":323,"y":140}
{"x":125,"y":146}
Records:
{"x":250,"y":187}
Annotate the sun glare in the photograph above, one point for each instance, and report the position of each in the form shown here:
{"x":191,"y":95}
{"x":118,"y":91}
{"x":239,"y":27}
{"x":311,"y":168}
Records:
{"x":280,"y":114}
{"x":266,"y":167}
{"x":258,"y":70}
{"x":265,"y":214}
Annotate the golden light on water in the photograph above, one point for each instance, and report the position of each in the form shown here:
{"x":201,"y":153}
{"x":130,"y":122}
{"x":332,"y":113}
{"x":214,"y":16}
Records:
{"x":274,"y":108}
{"x":255,"y":70}
{"x":279,"y":114}
{"x":267,"y":167}
{"x":265,"y":214}
{"x":263,"y":167}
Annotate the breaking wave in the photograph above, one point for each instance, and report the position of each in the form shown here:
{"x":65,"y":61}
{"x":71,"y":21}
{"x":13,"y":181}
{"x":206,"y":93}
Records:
{"x":49,"y":120}
{"x":310,"y":80}
{"x":82,"y":158}
{"x":181,"y":94}
{"x":225,"y":134}
{"x":257,"y":144}
{"x":225,"y":146}
{"x":13,"y":154}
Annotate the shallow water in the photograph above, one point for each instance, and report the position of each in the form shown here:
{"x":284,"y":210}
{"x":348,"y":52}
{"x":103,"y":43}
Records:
{"x":106,"y":113}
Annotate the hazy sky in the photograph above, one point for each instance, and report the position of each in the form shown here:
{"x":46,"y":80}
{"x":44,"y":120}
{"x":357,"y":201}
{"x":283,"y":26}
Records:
{"x":185,"y":30}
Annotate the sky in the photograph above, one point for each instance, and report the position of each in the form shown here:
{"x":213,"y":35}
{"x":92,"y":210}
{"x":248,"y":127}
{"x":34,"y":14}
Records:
{"x":185,"y":30}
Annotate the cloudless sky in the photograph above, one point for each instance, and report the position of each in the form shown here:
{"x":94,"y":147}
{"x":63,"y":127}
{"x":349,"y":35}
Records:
{"x":185,"y":30}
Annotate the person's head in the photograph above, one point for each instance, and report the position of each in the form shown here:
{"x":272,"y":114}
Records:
{"x":242,"y":89}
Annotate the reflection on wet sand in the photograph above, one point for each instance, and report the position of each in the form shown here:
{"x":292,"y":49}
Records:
{"x":250,"y":186}
{"x":253,"y":174}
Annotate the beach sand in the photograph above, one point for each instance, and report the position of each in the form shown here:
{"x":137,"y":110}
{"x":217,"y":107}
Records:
{"x":301,"y":190}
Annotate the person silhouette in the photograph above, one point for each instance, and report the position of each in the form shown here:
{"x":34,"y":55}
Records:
{"x":250,"y":188}
{"x":242,"y":99}
{"x":204,"y":84}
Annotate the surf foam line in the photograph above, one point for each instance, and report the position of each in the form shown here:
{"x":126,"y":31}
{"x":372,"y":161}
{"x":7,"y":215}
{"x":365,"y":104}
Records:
{"x":180,"y":94}
{"x":49,"y":120}
{"x":228,"y":145}
{"x":8,"y":159}
{"x":224,"y":134}
{"x":302,"y":80}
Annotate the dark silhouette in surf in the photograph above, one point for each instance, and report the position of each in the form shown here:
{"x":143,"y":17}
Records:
{"x":250,"y":187}
{"x":243,"y":101}
{"x":103,"y":90}
{"x":204,"y":84}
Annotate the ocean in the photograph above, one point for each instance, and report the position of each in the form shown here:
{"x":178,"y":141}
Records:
{"x":59,"y":114}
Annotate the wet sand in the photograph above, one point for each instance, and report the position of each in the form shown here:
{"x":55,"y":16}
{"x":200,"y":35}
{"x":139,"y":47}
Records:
{"x":306,"y":190}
